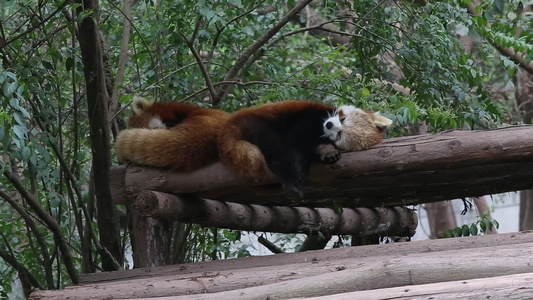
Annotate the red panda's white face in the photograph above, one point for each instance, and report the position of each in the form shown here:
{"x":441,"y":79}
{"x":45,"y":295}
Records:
{"x":141,"y":118}
{"x":352,"y":129}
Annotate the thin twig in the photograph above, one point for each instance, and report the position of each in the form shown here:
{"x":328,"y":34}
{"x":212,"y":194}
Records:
{"x":49,"y":221}
{"x":47,"y":263}
{"x":269,"y":245}
{"x":190,"y":44}
{"x":228,"y":82}
{"x":59,"y":8}
{"x":261,"y":41}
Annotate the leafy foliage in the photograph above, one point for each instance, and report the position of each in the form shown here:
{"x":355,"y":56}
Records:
{"x":483,"y":225}
{"x":44,"y":125}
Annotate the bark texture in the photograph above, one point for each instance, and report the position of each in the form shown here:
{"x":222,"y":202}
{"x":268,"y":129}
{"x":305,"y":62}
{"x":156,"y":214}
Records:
{"x":315,"y":277}
{"x":501,"y":287}
{"x":357,"y":253}
{"x":150,"y":241}
{"x":524,"y":96}
{"x":409,"y":170}
{"x":210,"y":213}
{"x":98,"y":100}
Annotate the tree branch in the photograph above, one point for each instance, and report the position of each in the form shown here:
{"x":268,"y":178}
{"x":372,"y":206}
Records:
{"x":44,"y":20}
{"x":198,"y":58}
{"x":261,"y":41}
{"x":22,"y":271}
{"x":123,"y":57}
{"x":269,"y":245}
{"x":47,"y":262}
{"x":517,"y":58}
{"x":73,"y":180}
{"x":49,"y":221}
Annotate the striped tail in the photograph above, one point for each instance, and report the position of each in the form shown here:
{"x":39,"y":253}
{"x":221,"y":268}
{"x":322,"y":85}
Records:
{"x":240,"y":156}
{"x":176,"y":149}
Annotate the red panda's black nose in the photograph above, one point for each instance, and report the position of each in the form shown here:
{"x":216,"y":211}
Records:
{"x":329,"y":125}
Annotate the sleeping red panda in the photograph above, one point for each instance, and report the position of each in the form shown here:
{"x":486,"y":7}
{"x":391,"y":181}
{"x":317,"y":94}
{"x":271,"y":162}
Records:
{"x":171,"y":135}
{"x":354,"y":129}
{"x":283,"y":138}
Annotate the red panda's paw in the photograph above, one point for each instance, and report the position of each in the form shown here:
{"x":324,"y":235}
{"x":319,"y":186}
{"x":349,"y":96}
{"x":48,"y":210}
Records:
{"x":328,"y":153}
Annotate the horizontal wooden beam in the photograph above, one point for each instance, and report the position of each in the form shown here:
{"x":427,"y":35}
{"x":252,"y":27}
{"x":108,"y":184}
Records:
{"x":395,"y":221}
{"x":516,"y":287}
{"x":359,"y":253}
{"x":407,"y":170}
{"x":319,"y":273}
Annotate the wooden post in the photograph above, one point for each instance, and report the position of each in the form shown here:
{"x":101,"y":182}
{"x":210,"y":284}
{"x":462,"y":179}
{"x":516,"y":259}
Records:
{"x":150,"y":241}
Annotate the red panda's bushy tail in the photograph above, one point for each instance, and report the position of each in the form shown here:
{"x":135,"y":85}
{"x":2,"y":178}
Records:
{"x":240,"y":156}
{"x":184,"y":149}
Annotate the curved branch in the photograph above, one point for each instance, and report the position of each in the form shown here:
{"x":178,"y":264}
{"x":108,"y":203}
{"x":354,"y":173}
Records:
{"x":198,"y":58}
{"x":515,"y":57}
{"x":49,"y":221}
{"x":47,"y":262}
{"x":261,"y":41}
{"x":21,"y":270}
{"x":43,"y":21}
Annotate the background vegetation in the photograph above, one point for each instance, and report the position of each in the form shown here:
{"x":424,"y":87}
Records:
{"x":448,"y":64}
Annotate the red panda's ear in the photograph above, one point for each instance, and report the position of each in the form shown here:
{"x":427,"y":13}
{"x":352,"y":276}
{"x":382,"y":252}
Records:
{"x":381,"y":122}
{"x":140,"y":104}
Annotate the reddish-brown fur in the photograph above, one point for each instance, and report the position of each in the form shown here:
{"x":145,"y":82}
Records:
{"x":283,"y":138}
{"x":244,"y":157}
{"x":189,"y":143}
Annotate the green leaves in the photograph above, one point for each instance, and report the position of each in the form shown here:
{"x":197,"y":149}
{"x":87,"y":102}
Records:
{"x":482,"y":225}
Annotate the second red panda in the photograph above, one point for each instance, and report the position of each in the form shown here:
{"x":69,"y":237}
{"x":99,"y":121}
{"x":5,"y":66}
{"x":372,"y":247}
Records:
{"x":171,"y":135}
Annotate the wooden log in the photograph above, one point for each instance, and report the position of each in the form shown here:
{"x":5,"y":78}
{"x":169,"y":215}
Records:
{"x":408,"y":170}
{"x":399,"y":221}
{"x":516,"y":286}
{"x":150,"y":241}
{"x":118,"y":183}
{"x":356,"y":253}
{"x":317,"y":278}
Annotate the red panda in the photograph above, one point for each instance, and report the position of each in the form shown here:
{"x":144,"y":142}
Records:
{"x":278,"y":139}
{"x":353,"y":129}
{"x":171,"y":135}
{"x":283,"y":138}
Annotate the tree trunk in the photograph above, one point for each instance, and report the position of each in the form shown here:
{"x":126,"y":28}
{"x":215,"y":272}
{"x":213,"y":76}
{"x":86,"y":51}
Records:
{"x":441,"y":218}
{"x":524,"y":96}
{"x":98,"y":99}
{"x":150,"y":241}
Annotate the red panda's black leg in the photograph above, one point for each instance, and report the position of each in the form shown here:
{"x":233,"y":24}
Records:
{"x":282,"y":164}
{"x":279,"y":157}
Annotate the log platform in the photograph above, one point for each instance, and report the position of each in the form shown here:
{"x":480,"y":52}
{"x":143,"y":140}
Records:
{"x":451,"y":266}
{"x":407,"y":170}
{"x":398,"y":172}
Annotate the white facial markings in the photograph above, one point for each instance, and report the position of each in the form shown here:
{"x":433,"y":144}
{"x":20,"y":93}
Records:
{"x":156,"y":123}
{"x":332,"y":128}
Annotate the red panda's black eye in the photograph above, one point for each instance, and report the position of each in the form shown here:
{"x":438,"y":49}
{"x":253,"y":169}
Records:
{"x":342,"y":119}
